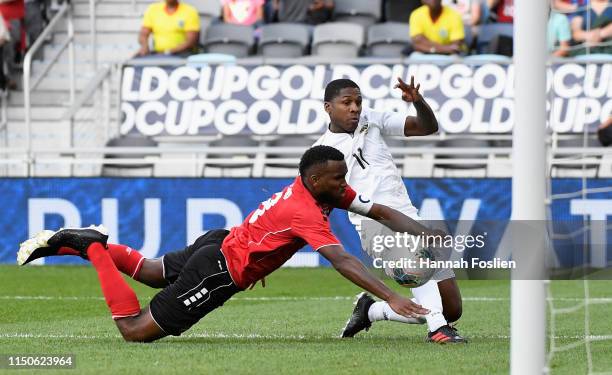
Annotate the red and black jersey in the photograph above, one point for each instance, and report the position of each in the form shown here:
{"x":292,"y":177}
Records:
{"x":278,"y":228}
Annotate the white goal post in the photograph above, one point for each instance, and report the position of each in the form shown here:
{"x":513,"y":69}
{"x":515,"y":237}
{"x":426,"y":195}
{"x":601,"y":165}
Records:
{"x":528,"y":297}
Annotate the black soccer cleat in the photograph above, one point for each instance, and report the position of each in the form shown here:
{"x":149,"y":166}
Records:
{"x":359,"y":320}
{"x":48,"y":243}
{"x":446,"y":334}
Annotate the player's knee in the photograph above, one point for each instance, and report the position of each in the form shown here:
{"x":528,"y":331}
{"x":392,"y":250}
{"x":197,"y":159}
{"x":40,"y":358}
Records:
{"x":129,"y":331}
{"x":132,"y":335}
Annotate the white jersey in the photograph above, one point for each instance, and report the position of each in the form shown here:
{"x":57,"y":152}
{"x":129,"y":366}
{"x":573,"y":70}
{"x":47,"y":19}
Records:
{"x":371,"y":170}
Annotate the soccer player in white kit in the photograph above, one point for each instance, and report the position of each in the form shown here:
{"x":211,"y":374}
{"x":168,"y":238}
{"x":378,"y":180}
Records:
{"x":359,"y":134}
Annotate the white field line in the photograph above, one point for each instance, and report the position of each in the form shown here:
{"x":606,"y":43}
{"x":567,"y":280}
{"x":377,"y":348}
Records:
{"x":255,"y":336}
{"x":330,"y":298}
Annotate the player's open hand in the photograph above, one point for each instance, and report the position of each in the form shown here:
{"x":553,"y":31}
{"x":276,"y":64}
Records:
{"x":410,"y":93}
{"x":406,"y":307}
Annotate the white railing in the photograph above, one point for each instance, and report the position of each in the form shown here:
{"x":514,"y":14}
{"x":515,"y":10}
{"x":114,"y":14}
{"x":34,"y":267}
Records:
{"x":259,"y":157}
{"x":31,"y":83}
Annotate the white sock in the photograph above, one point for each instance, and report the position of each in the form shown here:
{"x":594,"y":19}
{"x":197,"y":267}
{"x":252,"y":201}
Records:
{"x":382,"y":311}
{"x":428,"y":296}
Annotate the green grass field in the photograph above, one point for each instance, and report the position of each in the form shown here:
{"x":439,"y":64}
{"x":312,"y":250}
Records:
{"x":291,"y":326}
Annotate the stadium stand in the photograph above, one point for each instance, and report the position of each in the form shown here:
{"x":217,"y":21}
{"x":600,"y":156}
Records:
{"x":129,"y":170}
{"x":285,"y":40}
{"x":442,"y":161}
{"x":86,"y":117}
{"x":362,"y":12}
{"x":388,"y":39}
{"x":337,"y":39}
{"x":399,"y":10}
{"x":236,"y":40}
{"x":589,"y":167}
{"x":236,"y":160}
{"x":489,"y":37}
{"x":274,"y":166}
{"x":209,"y":11}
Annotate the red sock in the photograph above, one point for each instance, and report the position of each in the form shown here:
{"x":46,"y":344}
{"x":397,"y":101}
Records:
{"x":67,"y":251}
{"x":127,"y":260}
{"x":119,"y":297}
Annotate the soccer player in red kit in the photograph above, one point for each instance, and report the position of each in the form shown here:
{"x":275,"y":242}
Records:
{"x":219,"y":264}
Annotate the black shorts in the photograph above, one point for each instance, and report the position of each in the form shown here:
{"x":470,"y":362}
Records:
{"x":199,"y":283}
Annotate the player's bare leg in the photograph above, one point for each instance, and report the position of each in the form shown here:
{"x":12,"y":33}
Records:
{"x":139,"y":328}
{"x":452,"y":306}
{"x":152,"y":273}
{"x":133,"y":323}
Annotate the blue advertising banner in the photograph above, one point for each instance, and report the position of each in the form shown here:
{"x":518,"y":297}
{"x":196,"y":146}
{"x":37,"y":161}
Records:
{"x":161,"y":215}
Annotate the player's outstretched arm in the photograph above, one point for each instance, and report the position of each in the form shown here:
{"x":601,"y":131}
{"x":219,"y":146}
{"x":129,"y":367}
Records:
{"x":397,"y":221}
{"x":351,"y":268}
{"x":425,"y":122}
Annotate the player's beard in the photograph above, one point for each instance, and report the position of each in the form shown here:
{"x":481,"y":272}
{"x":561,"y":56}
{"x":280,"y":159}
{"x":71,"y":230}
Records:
{"x":329,"y":198}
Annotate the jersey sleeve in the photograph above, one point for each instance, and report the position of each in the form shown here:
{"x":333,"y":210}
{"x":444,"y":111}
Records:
{"x":356,"y":203}
{"x":314,"y":229}
{"x":391,"y":123}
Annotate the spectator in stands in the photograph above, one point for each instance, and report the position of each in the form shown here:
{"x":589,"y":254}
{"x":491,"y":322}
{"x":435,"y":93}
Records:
{"x":243,"y":12}
{"x":501,"y":10}
{"x":400,"y":10}
{"x":569,"y":6}
{"x":435,"y":28}
{"x":312,"y":12}
{"x":270,"y":11}
{"x":559,"y":34}
{"x":175,"y":27}
{"x":34,"y":22}
{"x":593,"y":27}
{"x":471,"y":10}
{"x":5,"y":37}
{"x":13,"y":12}
{"x":604,"y":133}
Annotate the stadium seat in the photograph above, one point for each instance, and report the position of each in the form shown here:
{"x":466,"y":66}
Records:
{"x":236,"y":40}
{"x":489,"y":34}
{"x":209,"y":11}
{"x":388,"y":39}
{"x":299,"y":142}
{"x":284,"y":40}
{"x":466,"y":143}
{"x":576,"y":170}
{"x":337,"y":39}
{"x":131,"y":140}
{"x":362,"y":12}
{"x":241,"y":160}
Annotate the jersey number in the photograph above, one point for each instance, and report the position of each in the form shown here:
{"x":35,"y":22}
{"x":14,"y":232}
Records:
{"x":265,"y":206}
{"x":360,"y":159}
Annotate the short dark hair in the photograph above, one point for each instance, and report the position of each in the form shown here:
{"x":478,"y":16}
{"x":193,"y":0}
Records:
{"x":334,"y":87}
{"x":318,"y":155}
